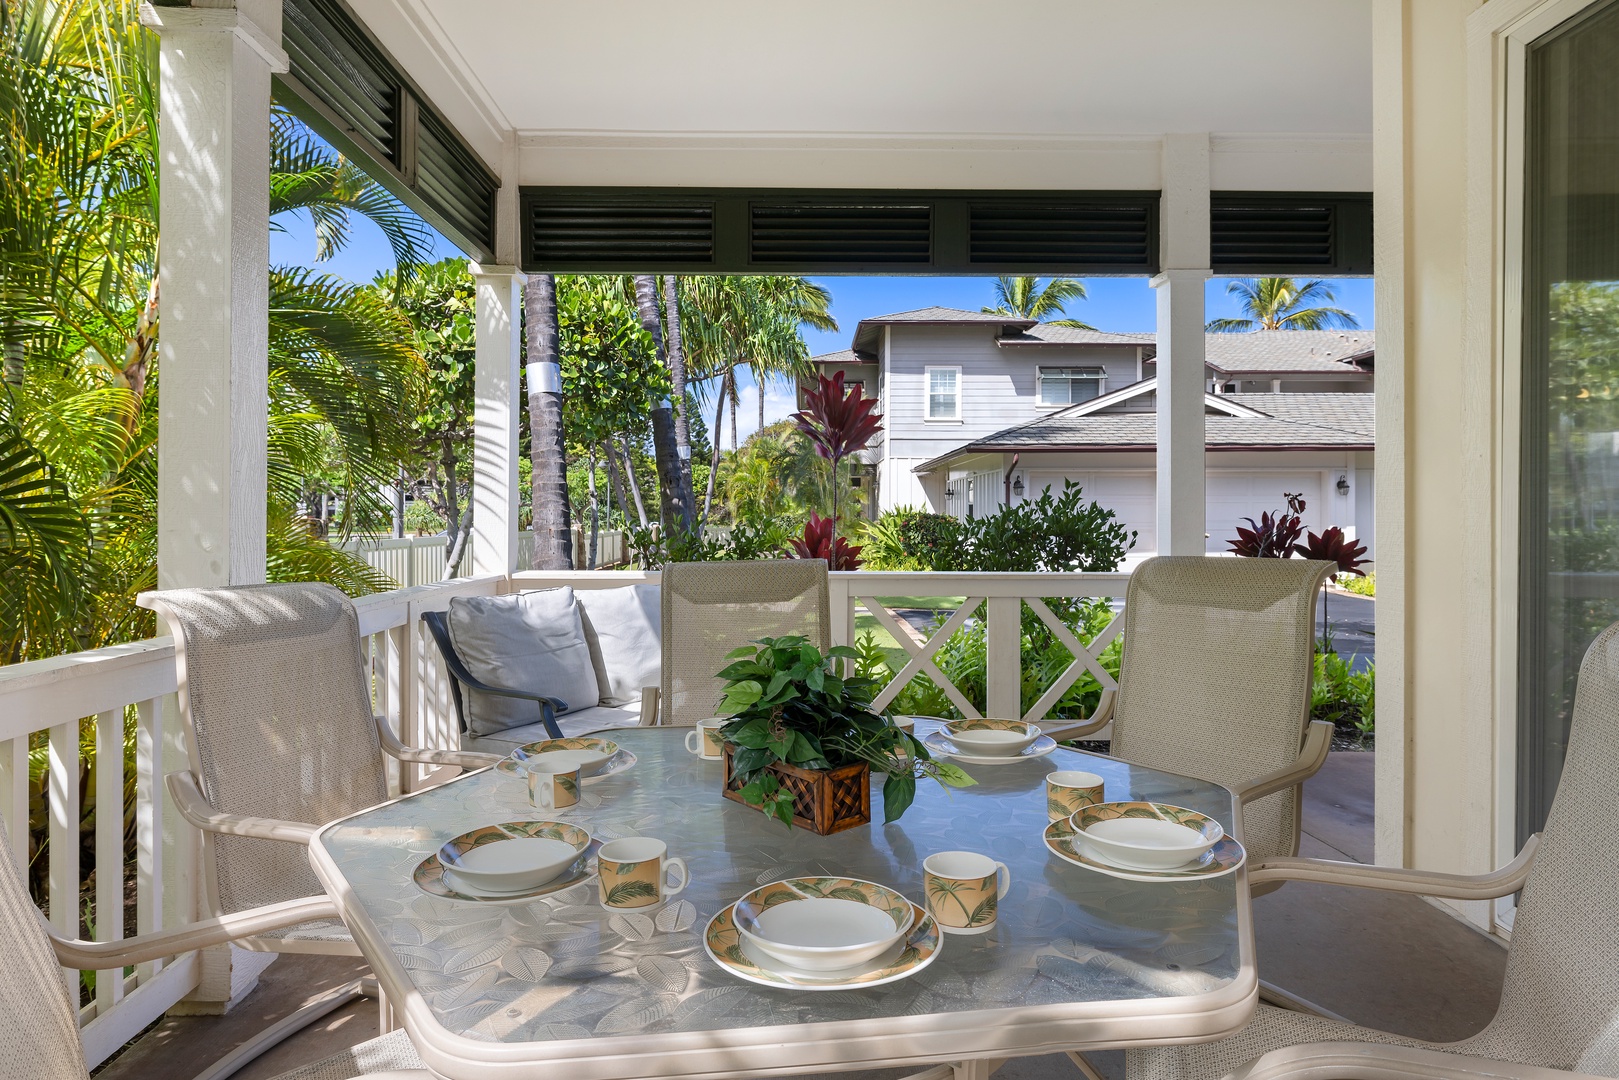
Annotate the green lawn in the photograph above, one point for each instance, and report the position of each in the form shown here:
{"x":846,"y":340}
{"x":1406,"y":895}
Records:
{"x":864,"y":621}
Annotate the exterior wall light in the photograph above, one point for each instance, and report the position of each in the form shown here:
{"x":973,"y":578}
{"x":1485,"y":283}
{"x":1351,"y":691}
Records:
{"x":1017,"y":487}
{"x":1343,"y":484}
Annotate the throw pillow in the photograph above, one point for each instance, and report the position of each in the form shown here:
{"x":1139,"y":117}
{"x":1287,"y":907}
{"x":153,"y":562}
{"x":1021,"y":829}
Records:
{"x":531,"y":641}
{"x":624,"y":629}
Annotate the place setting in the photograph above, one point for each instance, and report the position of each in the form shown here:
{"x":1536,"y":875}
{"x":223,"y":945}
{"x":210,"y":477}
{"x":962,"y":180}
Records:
{"x":988,"y":741}
{"x":1133,"y":840}
{"x":596,"y":759}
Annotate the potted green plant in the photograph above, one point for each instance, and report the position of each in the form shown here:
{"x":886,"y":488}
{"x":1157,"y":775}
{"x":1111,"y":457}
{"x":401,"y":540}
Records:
{"x":803,"y":739}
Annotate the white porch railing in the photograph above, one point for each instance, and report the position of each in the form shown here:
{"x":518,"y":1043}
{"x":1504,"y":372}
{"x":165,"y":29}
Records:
{"x":128,"y":691}
{"x":419,"y":560}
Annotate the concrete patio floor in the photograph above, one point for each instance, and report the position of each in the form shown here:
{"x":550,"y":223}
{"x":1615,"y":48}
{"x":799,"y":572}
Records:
{"x":1391,"y":962}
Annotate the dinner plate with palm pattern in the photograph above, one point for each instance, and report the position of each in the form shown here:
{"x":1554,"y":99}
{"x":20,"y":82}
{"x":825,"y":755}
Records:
{"x":1063,"y":841}
{"x":726,"y":947}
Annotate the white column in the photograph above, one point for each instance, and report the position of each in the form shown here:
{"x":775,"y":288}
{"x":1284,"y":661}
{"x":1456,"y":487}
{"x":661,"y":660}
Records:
{"x":214,"y":134}
{"x":494,"y":424}
{"x":1184,"y":262}
{"x":213,"y":266}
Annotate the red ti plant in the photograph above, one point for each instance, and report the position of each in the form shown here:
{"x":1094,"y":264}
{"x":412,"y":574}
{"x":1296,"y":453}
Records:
{"x":1333,"y":547}
{"x":820,"y":541}
{"x":1273,"y":536}
{"x":838,"y":423}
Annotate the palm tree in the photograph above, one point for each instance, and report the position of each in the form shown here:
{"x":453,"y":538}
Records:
{"x":676,"y":511}
{"x":1026,"y":298}
{"x":1279,"y":303}
{"x":732,"y":322}
{"x":553,"y":532}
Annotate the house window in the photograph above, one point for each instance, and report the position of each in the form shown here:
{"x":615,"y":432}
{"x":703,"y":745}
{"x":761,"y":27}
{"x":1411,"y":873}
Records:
{"x":944,"y":393}
{"x":1070,"y":385}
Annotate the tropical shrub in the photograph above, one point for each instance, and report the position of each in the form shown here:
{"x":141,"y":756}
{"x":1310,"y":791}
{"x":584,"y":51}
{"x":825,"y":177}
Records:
{"x":909,"y":538}
{"x":1345,"y":698}
{"x":820,"y":541}
{"x":1365,"y":585}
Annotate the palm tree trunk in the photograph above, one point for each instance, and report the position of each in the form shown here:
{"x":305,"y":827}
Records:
{"x":615,"y":484}
{"x":553,"y":531}
{"x":595,"y":517}
{"x":759,"y":377}
{"x":714,"y":457}
{"x":675,"y":514}
{"x":736,"y":399}
{"x":399,"y":505}
{"x":677,"y":378}
{"x":635,"y":484}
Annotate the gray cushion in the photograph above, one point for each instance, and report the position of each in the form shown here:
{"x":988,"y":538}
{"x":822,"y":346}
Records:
{"x":528,"y":641}
{"x":582,"y":722}
{"x":624,"y":629}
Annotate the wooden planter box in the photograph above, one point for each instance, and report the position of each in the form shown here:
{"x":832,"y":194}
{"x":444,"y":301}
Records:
{"x":824,"y":800}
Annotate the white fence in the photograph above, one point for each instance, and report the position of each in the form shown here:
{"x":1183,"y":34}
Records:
{"x":419,"y":560}
{"x":128,"y":691}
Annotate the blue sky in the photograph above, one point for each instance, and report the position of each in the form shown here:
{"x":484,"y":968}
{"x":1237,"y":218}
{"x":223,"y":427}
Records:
{"x":1119,"y":304}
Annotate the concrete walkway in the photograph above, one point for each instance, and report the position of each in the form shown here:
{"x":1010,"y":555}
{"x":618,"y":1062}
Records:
{"x":1393,"y":962}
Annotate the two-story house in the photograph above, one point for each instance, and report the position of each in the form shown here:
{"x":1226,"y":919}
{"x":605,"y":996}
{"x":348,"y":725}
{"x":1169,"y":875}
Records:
{"x":981,"y":410}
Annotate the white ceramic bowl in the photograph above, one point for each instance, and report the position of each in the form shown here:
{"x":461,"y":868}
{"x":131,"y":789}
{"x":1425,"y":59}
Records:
{"x":1146,"y":836}
{"x":823,"y":932}
{"x":992,"y":738}
{"x":585,"y":754}
{"x":514,"y":857}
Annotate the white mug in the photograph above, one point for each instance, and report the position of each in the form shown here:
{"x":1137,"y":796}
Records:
{"x":705,"y":740}
{"x":550,"y":787}
{"x":964,"y":890}
{"x":634,"y":872}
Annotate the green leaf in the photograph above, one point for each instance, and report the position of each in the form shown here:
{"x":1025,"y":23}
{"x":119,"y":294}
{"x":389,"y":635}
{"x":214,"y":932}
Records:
{"x":951,"y":774}
{"x":899,"y":791}
{"x":631,"y":890}
{"x":984,"y":912}
{"x":753,"y":734}
{"x":844,"y":652}
{"x":815,"y":680}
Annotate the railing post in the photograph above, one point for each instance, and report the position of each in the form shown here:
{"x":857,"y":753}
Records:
{"x":1003,"y":658}
{"x":842,"y":603}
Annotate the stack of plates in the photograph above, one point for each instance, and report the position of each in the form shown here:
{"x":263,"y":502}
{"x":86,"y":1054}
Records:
{"x":1144,"y":841}
{"x":823,"y":933}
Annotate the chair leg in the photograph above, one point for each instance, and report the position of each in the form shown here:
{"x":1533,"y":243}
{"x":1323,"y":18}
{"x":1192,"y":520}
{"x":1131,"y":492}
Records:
{"x":288,"y":1026}
{"x":1083,"y":1064}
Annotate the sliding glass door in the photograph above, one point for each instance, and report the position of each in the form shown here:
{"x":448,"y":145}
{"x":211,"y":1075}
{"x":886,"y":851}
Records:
{"x":1569,"y":496}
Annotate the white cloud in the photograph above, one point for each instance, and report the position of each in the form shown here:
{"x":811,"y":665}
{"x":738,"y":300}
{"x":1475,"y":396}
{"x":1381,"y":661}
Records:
{"x":781,"y":400}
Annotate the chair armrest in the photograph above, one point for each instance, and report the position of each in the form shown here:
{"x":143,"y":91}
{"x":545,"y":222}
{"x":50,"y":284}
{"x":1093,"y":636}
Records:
{"x":649,"y":705}
{"x":196,"y":808}
{"x":1503,"y":882}
{"x":466,"y":759}
{"x":102,"y":955}
{"x":1101,"y":718}
{"x":1317,"y":741}
{"x":1381,"y":1061}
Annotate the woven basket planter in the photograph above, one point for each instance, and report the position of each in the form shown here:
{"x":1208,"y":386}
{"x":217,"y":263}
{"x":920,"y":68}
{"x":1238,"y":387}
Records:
{"x":824,"y":800}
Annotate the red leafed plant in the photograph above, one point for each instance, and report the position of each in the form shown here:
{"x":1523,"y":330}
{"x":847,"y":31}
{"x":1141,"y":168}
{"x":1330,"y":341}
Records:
{"x":1273,"y":536}
{"x":820,"y":541}
{"x":838,"y":422}
{"x":1334,"y":547}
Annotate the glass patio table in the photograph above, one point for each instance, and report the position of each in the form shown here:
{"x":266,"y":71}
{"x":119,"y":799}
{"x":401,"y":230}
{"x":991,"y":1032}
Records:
{"x":561,"y":987}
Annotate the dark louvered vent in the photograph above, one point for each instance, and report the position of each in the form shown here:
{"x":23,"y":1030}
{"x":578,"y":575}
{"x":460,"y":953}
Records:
{"x":1250,"y":236}
{"x":584,"y":234}
{"x":1079,"y":235}
{"x":807,"y":236}
{"x":336,"y":63}
{"x":453,"y":181}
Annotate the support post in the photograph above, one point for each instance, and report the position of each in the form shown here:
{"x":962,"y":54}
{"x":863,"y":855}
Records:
{"x":494,"y":426}
{"x":1184,"y":258}
{"x":214,"y":68}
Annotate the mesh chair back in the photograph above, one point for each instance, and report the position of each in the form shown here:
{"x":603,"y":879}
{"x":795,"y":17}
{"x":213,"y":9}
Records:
{"x":273,"y":691}
{"x":39,"y":1037}
{"x":1215,"y":683}
{"x":1560,"y":1003}
{"x":711,"y":608}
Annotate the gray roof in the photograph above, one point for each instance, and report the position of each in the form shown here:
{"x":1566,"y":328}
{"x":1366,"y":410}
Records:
{"x":866,"y":334}
{"x":1046,"y":334}
{"x":1292,"y":421}
{"x":1296,"y":351}
{"x":842,"y":356}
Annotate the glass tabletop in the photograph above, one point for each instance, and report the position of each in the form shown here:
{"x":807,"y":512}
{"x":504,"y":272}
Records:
{"x":563,"y":968}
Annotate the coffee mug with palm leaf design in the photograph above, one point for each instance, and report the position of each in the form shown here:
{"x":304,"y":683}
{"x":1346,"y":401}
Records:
{"x":551,"y":787}
{"x":964,"y":890}
{"x":634,"y":873}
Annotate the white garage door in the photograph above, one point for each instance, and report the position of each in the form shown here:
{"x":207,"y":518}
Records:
{"x":1130,"y":495}
{"x":1237,"y":495}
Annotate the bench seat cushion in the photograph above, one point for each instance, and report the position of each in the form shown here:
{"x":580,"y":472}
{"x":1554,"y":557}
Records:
{"x":577,"y":722}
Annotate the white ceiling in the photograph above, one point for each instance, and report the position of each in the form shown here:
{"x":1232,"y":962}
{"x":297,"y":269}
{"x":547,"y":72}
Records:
{"x":583,"y":80}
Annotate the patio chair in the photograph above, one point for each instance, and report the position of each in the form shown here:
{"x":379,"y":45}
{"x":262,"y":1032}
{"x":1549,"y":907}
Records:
{"x":711,"y":608}
{"x":1215,"y":683}
{"x":282,"y":740}
{"x":1560,"y":1001}
{"x":38,"y":1023}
